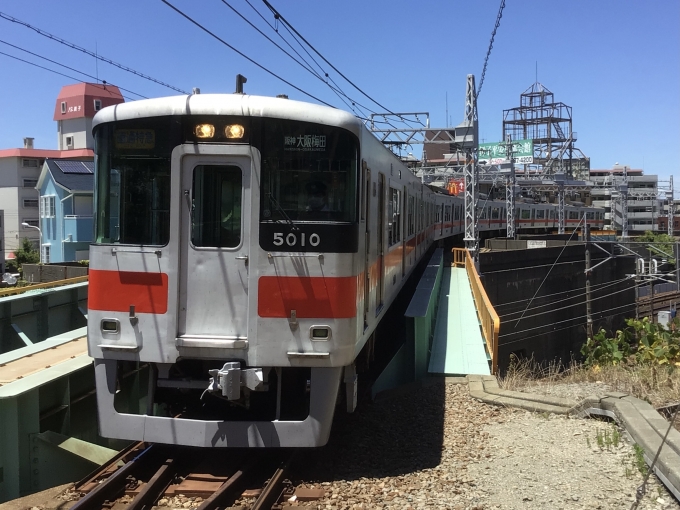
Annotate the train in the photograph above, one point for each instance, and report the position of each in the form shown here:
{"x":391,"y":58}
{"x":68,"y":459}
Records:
{"x":245,"y":250}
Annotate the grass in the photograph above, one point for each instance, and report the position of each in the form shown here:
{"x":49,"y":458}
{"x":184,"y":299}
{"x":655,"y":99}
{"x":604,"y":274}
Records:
{"x":657,"y":384}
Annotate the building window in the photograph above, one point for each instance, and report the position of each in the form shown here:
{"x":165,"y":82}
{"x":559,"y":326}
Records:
{"x":63,"y":107}
{"x":29,"y":163}
{"x":33,"y":223}
{"x":30,"y":183}
{"x":97,"y":105}
{"x":45,"y":255}
{"x":69,"y":141}
{"x":47,"y":206}
{"x":30,"y":202}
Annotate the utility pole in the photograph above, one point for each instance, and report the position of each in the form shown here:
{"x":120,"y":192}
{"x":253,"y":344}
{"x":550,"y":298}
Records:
{"x":589,"y":315}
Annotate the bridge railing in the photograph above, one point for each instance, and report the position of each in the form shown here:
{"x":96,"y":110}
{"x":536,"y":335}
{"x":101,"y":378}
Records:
{"x":12,"y":291}
{"x":488,"y":317}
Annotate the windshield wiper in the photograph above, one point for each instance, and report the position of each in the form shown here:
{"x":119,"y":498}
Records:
{"x":280,"y":209}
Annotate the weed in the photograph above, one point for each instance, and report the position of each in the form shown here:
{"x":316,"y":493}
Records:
{"x":639,"y":460}
{"x":588,"y":441}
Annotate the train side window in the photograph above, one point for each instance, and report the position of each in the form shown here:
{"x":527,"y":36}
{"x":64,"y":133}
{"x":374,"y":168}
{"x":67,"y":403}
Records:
{"x":526,"y":214}
{"x":393,"y":216}
{"x":409,"y":214}
{"x":540,"y":214}
{"x":216,"y":215}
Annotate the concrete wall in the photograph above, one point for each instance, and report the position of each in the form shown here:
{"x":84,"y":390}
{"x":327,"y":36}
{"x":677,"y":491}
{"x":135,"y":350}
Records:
{"x":80,"y":129}
{"x":554,"y":324}
{"x":49,"y":273}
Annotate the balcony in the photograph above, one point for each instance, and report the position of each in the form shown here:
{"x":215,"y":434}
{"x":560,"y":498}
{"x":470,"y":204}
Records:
{"x":78,"y":229}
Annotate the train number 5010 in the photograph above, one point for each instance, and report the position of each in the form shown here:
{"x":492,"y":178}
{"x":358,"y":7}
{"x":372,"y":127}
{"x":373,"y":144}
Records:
{"x":291,"y":239}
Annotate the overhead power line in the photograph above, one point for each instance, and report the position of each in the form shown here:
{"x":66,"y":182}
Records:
{"x":52,"y":70}
{"x":278,"y":16}
{"x":190,"y":19}
{"x":69,"y":68}
{"x":88,"y":52}
{"x":488,"y":52}
{"x":306,"y":66}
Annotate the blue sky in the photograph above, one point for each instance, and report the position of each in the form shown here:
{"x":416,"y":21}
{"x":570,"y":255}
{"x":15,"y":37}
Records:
{"x":615,"y":62}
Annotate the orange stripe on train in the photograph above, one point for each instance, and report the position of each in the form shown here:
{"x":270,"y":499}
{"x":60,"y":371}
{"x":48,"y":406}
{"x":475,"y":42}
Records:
{"x":115,"y":291}
{"x":310,"y":297}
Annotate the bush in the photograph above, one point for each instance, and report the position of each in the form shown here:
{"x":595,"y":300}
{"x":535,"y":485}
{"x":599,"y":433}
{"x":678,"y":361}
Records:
{"x":642,"y":342}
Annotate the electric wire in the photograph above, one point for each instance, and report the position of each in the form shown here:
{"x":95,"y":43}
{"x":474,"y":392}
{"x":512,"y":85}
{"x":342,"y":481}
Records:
{"x":581,"y":317}
{"x":277,"y":15}
{"x":306,"y":66}
{"x":595,"y":286}
{"x":524,"y":338}
{"x":88,"y":52}
{"x":53,"y":71}
{"x":551,"y":268}
{"x":354,"y":103}
{"x":577,"y":304}
{"x":70,"y":68}
{"x":488,"y":52}
{"x":191,"y":20}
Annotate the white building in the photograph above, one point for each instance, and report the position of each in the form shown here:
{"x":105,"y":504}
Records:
{"x":643,"y":206}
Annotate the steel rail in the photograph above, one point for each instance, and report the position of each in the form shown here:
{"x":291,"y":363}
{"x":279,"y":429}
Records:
{"x":155,"y":487}
{"x":116,"y":482}
{"x":272,"y":492}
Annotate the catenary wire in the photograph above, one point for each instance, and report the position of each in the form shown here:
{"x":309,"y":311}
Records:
{"x":70,"y":68}
{"x":354,"y":103}
{"x":53,"y":71}
{"x":305,"y":66}
{"x":488,"y":52}
{"x":88,"y":52}
{"x":278,"y":15}
{"x":191,"y":20}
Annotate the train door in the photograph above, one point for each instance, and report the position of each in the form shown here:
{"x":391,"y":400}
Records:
{"x":367,"y":236}
{"x":381,"y":240}
{"x":215,"y":208}
{"x":441,"y":230}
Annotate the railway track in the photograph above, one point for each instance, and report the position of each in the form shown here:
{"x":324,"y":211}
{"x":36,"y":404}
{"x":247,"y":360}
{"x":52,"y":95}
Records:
{"x":146,"y":475}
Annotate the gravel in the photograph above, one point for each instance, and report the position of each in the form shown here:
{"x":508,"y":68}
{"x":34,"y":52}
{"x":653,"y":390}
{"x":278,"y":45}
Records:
{"x":436,"y":447}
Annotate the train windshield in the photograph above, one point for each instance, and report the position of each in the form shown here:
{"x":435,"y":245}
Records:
{"x":132,"y":199}
{"x":309,"y":173}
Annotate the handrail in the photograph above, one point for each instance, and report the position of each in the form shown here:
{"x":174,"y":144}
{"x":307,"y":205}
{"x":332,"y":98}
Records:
{"x":58,"y":283}
{"x":491,"y":323}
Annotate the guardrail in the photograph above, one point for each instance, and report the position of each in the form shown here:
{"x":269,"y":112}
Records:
{"x":20,"y":290}
{"x":488,"y":317}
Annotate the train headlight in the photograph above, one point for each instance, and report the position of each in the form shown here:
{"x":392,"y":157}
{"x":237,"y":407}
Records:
{"x":320,"y":333}
{"x":234,"y":131}
{"x":204,"y":131}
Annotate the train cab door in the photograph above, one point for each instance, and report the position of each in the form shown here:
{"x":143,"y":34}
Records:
{"x":215,"y":194}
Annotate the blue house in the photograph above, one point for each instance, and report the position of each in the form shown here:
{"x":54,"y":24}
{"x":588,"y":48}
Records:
{"x":65,"y":188}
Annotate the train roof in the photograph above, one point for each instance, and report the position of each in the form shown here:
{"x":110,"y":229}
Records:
{"x":230,"y":104}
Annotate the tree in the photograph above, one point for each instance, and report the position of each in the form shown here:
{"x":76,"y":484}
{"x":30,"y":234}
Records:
{"x":26,"y":254}
{"x":659,"y":244}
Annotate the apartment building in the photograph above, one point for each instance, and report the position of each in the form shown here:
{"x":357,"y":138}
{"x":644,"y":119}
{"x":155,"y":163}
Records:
{"x":642,"y":204}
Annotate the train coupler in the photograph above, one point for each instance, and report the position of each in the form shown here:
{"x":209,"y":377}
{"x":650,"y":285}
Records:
{"x":229,"y":379}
